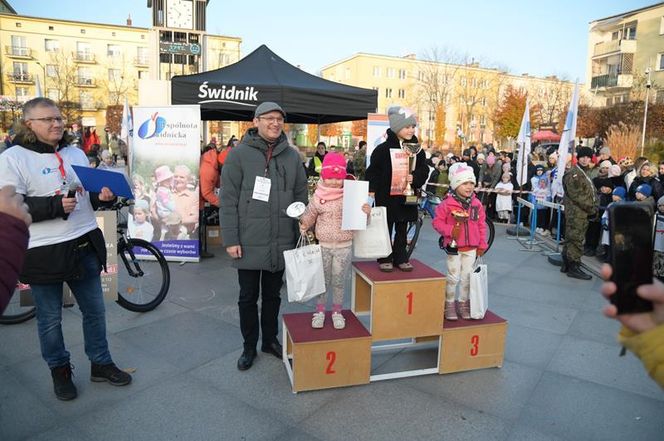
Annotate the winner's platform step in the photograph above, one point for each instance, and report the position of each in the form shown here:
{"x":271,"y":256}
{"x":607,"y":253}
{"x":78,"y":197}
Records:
{"x":327,"y":357}
{"x":401,"y":304}
{"x":473,"y":344}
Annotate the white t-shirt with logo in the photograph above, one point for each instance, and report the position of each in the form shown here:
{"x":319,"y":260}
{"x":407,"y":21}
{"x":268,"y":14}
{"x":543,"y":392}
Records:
{"x":38,"y":175}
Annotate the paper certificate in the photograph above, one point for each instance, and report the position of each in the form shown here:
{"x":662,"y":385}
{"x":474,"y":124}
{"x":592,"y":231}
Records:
{"x":355,"y":195}
{"x":399,"y":172}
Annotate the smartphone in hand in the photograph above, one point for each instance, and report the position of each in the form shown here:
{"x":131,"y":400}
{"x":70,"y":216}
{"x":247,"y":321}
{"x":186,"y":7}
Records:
{"x":631,"y":239}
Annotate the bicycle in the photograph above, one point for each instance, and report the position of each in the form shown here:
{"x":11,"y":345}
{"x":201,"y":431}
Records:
{"x":142,"y":284}
{"x":427,"y":203}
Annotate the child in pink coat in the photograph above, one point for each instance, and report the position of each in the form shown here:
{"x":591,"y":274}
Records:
{"x":460,"y":219}
{"x":324,"y":212}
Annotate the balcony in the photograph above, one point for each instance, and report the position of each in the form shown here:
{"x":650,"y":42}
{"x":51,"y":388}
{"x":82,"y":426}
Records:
{"x":614,"y":47}
{"x":608,"y":81}
{"x":84,"y":57}
{"x":141,"y":61}
{"x":88,"y":105}
{"x":20,"y":78}
{"x":18,"y":52}
{"x":85,"y":82}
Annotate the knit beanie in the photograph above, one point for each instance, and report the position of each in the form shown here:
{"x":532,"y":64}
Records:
{"x":644,"y":189}
{"x":459,"y":173}
{"x":334,"y":166}
{"x":491,"y":159}
{"x":614,"y":171}
{"x":605,"y":163}
{"x":400,"y":117}
{"x":660,"y":201}
{"x":584,"y":151}
{"x":621,"y":192}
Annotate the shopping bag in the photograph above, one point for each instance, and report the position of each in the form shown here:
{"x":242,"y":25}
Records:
{"x":479,"y":290}
{"x":374,"y":242}
{"x":304,"y":271}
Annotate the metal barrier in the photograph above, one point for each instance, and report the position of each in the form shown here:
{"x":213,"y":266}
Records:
{"x":530,"y":242}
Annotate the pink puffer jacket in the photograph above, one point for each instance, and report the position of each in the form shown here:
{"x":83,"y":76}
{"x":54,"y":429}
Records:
{"x":472,"y":232}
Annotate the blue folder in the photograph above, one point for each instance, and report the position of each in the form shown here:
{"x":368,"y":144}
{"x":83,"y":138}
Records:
{"x":94,"y":179}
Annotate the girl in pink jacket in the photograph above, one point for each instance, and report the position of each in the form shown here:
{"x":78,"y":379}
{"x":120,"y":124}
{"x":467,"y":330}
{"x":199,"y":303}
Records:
{"x":324,"y":212}
{"x":460,"y":219}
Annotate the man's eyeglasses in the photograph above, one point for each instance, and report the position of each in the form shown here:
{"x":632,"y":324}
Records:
{"x":50,"y":119}
{"x":272,"y":119}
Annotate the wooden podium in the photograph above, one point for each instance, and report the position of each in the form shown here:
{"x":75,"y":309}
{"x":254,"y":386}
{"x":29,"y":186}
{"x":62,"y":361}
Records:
{"x":401,"y":304}
{"x":327,"y":357}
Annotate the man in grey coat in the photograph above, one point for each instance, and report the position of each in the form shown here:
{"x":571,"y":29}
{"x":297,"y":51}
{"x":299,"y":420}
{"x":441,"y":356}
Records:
{"x":261,"y":177}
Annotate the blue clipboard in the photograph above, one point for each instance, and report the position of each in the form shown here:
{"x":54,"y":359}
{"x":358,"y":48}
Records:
{"x":94,"y":179}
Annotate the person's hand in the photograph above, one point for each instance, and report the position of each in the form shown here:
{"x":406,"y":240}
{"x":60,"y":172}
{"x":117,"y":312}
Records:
{"x":638,"y":322}
{"x":366,"y":208}
{"x":106,"y":195}
{"x":68,"y":204}
{"x":12,"y":204}
{"x":303,"y":229}
{"x":235,"y":251}
{"x":480,"y":252}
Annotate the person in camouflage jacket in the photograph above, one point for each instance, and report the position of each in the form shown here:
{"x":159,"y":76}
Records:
{"x":580,"y":203}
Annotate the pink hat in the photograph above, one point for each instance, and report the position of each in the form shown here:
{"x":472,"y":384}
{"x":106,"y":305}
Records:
{"x":334,"y":166}
{"x":162,"y":173}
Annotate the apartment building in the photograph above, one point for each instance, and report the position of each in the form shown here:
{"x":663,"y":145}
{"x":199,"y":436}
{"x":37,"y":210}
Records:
{"x":625,"y":51}
{"x":451,"y":99}
{"x":89,"y":66}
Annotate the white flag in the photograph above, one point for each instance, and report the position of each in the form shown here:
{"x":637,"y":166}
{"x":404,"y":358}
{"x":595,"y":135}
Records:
{"x":127,"y":129}
{"x":38,"y":89}
{"x":523,"y":140}
{"x":566,"y":142}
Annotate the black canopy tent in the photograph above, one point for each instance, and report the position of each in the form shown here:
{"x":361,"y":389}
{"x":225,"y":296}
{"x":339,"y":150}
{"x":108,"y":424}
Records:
{"x":233,"y":92}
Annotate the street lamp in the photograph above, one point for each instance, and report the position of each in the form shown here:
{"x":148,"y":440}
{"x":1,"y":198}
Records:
{"x":43,"y":69}
{"x":645,"y":111}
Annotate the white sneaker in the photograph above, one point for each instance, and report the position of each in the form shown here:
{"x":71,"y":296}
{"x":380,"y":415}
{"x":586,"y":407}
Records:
{"x":318,"y":320}
{"x":338,"y":320}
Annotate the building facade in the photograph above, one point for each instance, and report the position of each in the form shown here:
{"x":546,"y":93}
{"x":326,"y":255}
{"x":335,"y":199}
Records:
{"x":455,"y":102}
{"x":87,"y":67}
{"x":625,"y":52}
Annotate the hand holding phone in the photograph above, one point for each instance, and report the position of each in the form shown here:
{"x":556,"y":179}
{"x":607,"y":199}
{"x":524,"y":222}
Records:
{"x":631,"y":241}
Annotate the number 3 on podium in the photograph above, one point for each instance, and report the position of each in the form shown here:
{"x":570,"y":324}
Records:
{"x":474,"y":345}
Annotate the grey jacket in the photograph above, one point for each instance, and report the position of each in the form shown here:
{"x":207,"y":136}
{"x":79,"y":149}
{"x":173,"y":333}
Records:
{"x":262,"y":229}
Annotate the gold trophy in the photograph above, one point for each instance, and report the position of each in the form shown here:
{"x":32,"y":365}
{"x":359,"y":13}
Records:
{"x":411,"y":149}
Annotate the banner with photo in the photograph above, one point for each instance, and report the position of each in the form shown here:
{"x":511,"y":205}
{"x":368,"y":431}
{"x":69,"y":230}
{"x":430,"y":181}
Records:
{"x":377,"y":125}
{"x":164,"y":170}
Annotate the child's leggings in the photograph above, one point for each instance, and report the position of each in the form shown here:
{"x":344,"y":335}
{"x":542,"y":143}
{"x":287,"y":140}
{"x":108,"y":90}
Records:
{"x":336,"y":265}
{"x":459,"y":267}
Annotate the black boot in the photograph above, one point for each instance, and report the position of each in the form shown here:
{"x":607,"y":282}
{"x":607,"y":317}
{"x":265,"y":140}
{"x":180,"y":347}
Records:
{"x":565,"y":266}
{"x":62,"y":385}
{"x":576,"y":272}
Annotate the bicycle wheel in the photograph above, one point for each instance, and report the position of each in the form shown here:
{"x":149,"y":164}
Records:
{"x":412,"y":234}
{"x":490,"y":233}
{"x":142,"y":284}
{"x":15,"y":313}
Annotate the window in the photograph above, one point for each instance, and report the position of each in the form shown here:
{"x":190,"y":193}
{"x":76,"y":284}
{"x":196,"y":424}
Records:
{"x":388,"y":93}
{"x":391,"y":73}
{"x":22,"y":94}
{"x":50,"y":28}
{"x":482,"y":121}
{"x":51,"y":45}
{"x":114,"y":75}
{"x":420,"y":76}
{"x":20,"y":71}
{"x":53,"y":94}
{"x":142,"y":74}
{"x":84,"y":76}
{"x":402,"y":74}
{"x":376,"y":71}
{"x":630,"y":32}
{"x":661,"y":26}
{"x":615,"y":35}
{"x":51,"y":70}
{"x":483,"y":101}
{"x":402,"y":93}
{"x":660,"y":64}
{"x":113,"y":97}
{"x":83,"y":51}
{"x":464,"y":81}
{"x":86,"y":100}
{"x":19,"y":47}
{"x":113,"y":51}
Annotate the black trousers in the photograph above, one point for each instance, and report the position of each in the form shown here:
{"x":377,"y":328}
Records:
{"x":268,"y":285}
{"x":398,"y":255}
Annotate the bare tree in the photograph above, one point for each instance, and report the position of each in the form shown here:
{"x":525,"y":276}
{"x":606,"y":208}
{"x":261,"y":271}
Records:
{"x":115,"y":82}
{"x":550,"y":99}
{"x":63,"y":73}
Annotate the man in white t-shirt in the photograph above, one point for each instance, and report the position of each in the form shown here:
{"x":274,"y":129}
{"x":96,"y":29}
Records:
{"x":65,"y":243}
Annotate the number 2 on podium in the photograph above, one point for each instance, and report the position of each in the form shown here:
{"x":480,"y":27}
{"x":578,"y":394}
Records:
{"x":331,"y":357}
{"x":409,"y":309}
{"x":475,"y":345}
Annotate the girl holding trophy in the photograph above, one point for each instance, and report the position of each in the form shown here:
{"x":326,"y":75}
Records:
{"x":397,"y":166}
{"x":460,"y":219}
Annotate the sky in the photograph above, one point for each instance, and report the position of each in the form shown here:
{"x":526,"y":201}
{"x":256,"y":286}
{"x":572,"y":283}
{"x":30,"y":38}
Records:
{"x":535,"y":37}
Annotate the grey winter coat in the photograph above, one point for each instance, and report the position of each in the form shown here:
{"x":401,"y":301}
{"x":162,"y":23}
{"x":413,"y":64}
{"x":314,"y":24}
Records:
{"x":262,"y":229}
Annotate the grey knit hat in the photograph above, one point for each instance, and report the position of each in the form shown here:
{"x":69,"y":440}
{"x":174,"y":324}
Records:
{"x":400,"y":117}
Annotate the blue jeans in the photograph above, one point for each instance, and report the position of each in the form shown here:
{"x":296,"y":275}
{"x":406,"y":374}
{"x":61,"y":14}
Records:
{"x":90,"y":300}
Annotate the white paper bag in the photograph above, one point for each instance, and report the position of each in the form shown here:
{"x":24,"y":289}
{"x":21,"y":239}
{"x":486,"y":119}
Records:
{"x":479,"y":290}
{"x":374,"y":242}
{"x":304,"y":272}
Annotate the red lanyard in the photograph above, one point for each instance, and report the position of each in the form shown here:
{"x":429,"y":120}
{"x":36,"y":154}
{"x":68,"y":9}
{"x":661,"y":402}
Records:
{"x":61,"y":167}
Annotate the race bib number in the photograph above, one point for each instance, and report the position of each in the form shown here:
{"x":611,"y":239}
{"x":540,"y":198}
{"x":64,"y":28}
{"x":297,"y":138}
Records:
{"x":262,"y":189}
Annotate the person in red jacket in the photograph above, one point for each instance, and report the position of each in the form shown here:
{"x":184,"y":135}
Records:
{"x":14,"y":238}
{"x":209,"y":192}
